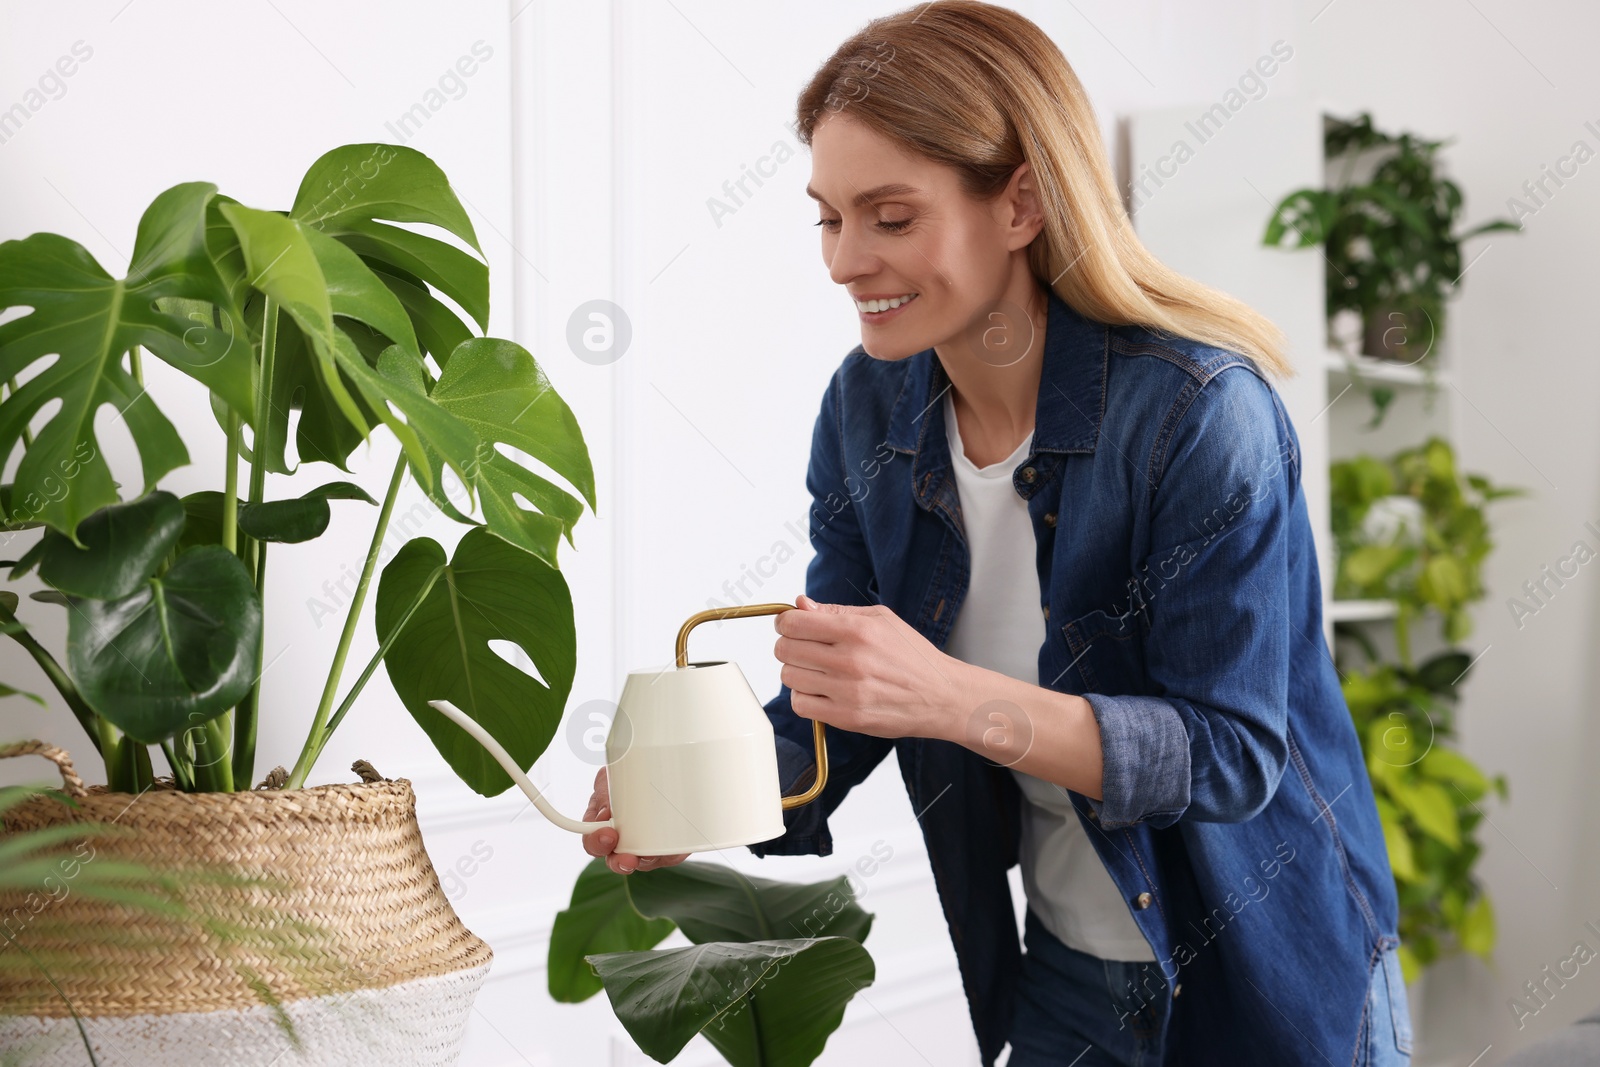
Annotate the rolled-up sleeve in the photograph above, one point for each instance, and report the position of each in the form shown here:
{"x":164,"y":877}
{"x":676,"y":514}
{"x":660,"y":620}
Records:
{"x":1212,"y":745}
{"x":840,"y":572}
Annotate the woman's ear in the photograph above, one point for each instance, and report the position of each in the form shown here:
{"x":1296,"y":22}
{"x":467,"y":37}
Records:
{"x":1022,"y":213}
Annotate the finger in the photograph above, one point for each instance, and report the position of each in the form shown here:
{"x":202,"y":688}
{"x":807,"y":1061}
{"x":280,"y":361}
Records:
{"x":600,"y":842}
{"x":812,"y":625}
{"x":623,"y":862}
{"x":809,"y":654}
{"x":804,"y":680}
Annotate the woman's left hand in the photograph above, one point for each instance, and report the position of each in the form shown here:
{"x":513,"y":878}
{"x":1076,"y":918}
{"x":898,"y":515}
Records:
{"x":866,"y":670}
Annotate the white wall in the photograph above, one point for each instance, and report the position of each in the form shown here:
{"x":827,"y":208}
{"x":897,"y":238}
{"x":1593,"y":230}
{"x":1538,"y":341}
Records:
{"x":586,"y":149}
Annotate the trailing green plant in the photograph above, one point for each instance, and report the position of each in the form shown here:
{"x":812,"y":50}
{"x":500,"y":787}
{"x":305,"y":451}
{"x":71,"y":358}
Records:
{"x":766,"y":979}
{"x":1437,"y":566}
{"x":1428,"y":796}
{"x":1391,"y":243}
{"x":334,"y":309}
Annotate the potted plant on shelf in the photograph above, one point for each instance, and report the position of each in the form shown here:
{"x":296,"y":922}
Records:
{"x":1392,"y":250}
{"x":1428,"y":793}
{"x":332,"y":310}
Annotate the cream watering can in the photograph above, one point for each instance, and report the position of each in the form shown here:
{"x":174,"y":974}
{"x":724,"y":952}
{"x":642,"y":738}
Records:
{"x":691,"y":757}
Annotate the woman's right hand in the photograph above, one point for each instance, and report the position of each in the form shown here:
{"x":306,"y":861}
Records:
{"x":603,"y":842}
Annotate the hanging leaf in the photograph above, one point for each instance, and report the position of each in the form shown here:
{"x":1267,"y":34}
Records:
{"x":180,"y":650}
{"x":88,"y":321}
{"x":123,"y":544}
{"x":600,"y":918}
{"x":761,"y":1003}
{"x":490,"y":591}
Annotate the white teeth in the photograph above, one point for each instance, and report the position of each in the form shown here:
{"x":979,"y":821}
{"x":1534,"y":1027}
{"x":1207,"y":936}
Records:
{"x":883,"y":305}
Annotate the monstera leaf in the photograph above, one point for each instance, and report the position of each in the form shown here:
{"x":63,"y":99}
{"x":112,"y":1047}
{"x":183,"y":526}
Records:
{"x":181,"y":649}
{"x":497,"y":390}
{"x":612,"y":912}
{"x":315,"y":278}
{"x":490,"y":591}
{"x":349,"y":190}
{"x":600,"y":918}
{"x":123,"y":544}
{"x":89,"y":321}
{"x":761,"y":1003}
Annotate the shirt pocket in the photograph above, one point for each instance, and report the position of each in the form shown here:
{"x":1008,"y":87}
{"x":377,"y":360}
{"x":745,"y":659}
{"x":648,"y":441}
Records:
{"x":1106,"y":649}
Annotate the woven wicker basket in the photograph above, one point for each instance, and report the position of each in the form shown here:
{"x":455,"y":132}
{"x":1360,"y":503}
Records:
{"x":329,"y":922}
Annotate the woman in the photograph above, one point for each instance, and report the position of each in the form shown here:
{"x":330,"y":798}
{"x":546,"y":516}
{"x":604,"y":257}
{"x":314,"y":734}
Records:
{"x":1064,"y":570}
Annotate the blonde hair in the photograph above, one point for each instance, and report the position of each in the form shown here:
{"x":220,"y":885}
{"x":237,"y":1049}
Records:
{"x":982,"y":89}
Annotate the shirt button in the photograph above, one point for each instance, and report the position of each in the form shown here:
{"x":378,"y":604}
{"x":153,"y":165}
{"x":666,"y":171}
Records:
{"x":1050,"y":518}
{"x":1029,"y":474}
{"x":1143,"y":900}
{"x":1047,"y":611}
{"x":1177,"y":989}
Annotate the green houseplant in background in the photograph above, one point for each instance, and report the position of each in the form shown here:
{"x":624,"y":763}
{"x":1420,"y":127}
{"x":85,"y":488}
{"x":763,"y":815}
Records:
{"x":1428,"y":793}
{"x":1391,"y":244}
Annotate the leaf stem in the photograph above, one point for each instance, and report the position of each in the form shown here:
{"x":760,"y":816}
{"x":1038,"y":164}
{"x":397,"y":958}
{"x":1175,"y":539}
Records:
{"x":315,"y":740}
{"x":86,"y":716}
{"x":230,"y":491}
{"x":248,"y":713}
{"x":182,"y":770}
{"x":213,"y":772}
{"x":377,"y":658}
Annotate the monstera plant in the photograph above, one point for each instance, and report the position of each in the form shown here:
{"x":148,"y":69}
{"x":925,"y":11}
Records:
{"x":765,"y":980}
{"x":317,"y":327}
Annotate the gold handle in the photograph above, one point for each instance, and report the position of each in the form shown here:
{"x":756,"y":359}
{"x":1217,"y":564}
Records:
{"x":816,"y":724}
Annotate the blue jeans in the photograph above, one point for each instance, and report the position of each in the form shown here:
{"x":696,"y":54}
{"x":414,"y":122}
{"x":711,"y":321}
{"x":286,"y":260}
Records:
{"x":1078,"y":1010}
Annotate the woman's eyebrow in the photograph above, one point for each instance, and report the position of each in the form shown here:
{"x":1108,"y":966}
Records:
{"x":880,"y":192}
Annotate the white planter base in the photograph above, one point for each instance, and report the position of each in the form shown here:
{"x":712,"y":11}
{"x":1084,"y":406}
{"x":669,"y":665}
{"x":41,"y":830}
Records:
{"x":419,"y":1023}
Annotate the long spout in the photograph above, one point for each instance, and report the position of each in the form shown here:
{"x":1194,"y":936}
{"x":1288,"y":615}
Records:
{"x":482,"y":736}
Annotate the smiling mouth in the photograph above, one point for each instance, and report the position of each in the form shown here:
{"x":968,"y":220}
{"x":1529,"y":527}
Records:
{"x":874,"y":309}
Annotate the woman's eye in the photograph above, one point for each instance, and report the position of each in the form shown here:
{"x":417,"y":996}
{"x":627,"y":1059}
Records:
{"x":831,"y":225}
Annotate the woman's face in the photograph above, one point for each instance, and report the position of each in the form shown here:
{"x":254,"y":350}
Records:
{"x":896,"y":226}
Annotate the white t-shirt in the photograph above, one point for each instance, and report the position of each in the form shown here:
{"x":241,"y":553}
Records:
{"x":1001,"y":627}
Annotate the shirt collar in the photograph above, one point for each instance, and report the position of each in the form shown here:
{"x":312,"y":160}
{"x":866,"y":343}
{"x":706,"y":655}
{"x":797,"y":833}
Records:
{"x":1072,"y":392}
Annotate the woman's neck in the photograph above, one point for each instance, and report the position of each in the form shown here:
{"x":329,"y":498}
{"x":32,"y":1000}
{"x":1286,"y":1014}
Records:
{"x":994,"y":372}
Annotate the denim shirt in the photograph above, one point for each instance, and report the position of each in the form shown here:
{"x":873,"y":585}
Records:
{"x":1183,"y":603}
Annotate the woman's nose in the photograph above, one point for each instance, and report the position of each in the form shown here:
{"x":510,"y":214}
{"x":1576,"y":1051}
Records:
{"x":851,"y":257}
